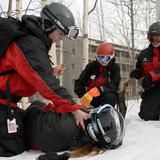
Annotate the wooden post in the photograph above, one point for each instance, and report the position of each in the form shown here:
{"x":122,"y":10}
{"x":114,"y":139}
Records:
{"x":85,"y":34}
{"x":19,"y":9}
{"x":158,"y":10}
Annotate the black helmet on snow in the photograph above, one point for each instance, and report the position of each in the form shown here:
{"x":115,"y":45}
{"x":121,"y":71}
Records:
{"x":57,"y":15}
{"x":106,"y":127}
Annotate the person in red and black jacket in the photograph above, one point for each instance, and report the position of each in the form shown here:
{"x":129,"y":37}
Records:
{"x":148,"y":69}
{"x":28,"y":57}
{"x":99,"y":81}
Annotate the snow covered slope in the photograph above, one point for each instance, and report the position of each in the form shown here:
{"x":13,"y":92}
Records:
{"x":141,"y":142}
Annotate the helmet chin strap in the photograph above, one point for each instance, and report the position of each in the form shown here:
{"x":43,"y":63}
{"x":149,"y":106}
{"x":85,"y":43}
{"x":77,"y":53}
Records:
{"x":156,"y":45}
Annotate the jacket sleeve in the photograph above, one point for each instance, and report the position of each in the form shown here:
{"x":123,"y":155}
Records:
{"x":114,"y":79}
{"x":115,"y":76}
{"x":138,"y":69}
{"x":37,"y":71}
{"x":155,"y":74}
{"x":80,"y":85}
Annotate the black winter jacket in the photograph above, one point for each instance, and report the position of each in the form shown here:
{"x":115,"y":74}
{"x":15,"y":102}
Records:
{"x":111,"y":77}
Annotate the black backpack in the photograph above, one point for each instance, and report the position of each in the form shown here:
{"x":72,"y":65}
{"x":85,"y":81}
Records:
{"x":10,"y":29}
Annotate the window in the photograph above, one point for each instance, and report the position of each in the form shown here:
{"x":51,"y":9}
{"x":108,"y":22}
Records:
{"x":117,"y":53}
{"x":73,"y":51}
{"x":73,"y":81}
{"x":92,"y":48}
{"x":125,"y":54}
{"x":73,"y":65}
{"x":123,"y":67}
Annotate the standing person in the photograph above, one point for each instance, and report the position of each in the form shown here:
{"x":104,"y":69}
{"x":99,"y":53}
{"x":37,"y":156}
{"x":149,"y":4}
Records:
{"x":148,"y":69}
{"x":99,"y":81}
{"x":26,"y":69}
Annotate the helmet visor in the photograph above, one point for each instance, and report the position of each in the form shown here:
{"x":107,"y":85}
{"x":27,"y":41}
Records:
{"x":120,"y":126}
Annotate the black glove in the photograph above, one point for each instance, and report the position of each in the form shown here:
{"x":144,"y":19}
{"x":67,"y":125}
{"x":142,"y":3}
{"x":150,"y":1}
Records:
{"x":146,"y":82}
{"x":136,"y":73}
{"x":109,"y":87}
{"x":54,"y":156}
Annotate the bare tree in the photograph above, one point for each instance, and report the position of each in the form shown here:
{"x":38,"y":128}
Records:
{"x":9,"y":8}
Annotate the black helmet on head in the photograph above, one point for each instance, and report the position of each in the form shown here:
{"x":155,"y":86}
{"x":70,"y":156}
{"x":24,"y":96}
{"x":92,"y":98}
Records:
{"x":56,"y":15}
{"x":106,"y":127}
{"x":154,"y":29}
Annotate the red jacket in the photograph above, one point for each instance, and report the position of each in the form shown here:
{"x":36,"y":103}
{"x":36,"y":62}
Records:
{"x":148,"y":62}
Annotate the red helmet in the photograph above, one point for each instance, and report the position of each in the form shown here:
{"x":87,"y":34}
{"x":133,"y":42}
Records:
{"x":105,"y":52}
{"x":105,"y":49}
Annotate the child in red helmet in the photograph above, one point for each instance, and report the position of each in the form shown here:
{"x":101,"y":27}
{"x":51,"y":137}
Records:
{"x":105,"y":52}
{"x":99,"y":81}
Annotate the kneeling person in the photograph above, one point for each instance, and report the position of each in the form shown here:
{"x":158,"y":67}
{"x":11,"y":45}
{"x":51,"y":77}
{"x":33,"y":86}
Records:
{"x":99,"y":81}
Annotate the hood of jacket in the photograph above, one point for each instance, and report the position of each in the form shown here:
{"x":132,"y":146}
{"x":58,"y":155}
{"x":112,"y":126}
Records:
{"x":33,"y":25}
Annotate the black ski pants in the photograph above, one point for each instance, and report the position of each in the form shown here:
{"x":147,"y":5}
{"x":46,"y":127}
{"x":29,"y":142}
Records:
{"x":150,"y":105}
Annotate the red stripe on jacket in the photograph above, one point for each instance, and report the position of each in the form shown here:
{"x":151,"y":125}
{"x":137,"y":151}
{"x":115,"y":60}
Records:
{"x":26,"y":81}
{"x":150,"y":67}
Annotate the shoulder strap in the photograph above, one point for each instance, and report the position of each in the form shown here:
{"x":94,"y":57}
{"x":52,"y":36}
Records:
{"x":9,"y":108}
{"x":7,"y":72}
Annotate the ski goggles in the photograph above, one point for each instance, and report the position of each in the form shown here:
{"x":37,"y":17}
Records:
{"x":70,"y":32}
{"x":105,"y":58}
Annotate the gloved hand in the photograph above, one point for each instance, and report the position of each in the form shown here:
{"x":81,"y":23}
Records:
{"x":136,"y":73}
{"x":87,"y":98}
{"x":54,"y":156}
{"x":146,"y":82}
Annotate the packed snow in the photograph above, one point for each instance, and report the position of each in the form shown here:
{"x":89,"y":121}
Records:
{"x":141,"y":141}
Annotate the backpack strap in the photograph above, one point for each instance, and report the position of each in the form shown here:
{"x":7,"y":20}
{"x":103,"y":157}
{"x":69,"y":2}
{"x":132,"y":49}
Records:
{"x":7,"y":72}
{"x":8,"y":94}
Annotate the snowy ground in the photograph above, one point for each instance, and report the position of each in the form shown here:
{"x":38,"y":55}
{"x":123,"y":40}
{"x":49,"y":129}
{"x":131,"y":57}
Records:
{"x":141,"y":142}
